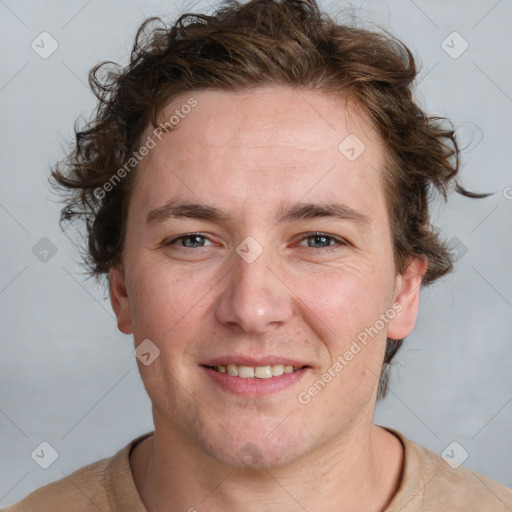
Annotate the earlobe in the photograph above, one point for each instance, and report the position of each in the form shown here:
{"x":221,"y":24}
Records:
{"x":119,"y":300}
{"x":407,"y":296}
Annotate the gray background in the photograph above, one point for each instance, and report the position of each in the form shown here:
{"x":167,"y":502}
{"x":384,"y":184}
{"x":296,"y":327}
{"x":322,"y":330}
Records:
{"x":68,"y":377}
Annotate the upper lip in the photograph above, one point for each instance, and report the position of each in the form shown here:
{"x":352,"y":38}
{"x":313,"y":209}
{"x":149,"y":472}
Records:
{"x":253,"y":361}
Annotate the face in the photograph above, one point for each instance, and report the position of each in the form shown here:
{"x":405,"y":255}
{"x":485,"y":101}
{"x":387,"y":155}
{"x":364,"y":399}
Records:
{"x":282,"y":257}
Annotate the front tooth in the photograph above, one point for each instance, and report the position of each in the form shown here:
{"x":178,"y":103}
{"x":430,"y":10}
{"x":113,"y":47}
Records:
{"x":245,"y":372}
{"x":263,"y":372}
{"x":277,"y":369}
{"x":260,"y":372}
{"x":232,"y":370}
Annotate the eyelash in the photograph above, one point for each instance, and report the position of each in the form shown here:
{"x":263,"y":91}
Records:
{"x":313,"y":234}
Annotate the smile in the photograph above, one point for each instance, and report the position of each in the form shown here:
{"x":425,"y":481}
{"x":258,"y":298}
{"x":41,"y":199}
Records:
{"x":255,"y":372}
{"x":254,"y":381}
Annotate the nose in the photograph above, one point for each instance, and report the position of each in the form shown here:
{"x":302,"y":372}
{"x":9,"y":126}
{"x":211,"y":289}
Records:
{"x":255,"y":297}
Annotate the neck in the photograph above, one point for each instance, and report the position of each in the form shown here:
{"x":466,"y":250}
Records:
{"x":360,"y":472}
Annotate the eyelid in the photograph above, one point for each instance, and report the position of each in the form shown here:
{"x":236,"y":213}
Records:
{"x":340,"y":241}
{"x":337,"y":239}
{"x":185,"y":235}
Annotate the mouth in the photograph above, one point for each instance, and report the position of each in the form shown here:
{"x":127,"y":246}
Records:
{"x":249,"y":377}
{"x":255,"y":372}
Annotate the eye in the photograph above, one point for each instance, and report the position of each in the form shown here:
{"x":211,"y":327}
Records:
{"x":322,"y":239}
{"x":189,"y":241}
{"x":316,"y":240}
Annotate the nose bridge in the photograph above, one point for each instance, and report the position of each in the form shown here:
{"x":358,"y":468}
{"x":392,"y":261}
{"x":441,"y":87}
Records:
{"x":254,"y":297}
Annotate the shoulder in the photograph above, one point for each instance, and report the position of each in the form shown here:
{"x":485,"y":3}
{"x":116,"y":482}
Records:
{"x":104,"y":485}
{"x":80,"y":491}
{"x":430,"y":483}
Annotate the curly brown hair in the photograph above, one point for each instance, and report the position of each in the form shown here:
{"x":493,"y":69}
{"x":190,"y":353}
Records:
{"x":242,"y":46}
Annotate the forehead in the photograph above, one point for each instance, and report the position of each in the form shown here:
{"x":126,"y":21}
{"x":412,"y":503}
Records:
{"x":261,"y":147}
{"x":267,"y":117}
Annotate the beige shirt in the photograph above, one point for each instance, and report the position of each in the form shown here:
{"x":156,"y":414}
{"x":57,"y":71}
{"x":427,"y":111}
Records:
{"x":428,"y":484}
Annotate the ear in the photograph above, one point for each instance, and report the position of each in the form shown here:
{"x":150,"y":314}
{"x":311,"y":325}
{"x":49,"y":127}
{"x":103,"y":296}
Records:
{"x":119,"y":300}
{"x":407,"y":296}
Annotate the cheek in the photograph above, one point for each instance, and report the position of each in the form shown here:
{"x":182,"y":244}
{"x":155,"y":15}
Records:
{"x":164,"y":310}
{"x":158,"y":301}
{"x":344,"y":302}
{"x":343,"y":310}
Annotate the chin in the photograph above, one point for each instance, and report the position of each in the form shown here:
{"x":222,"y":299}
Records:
{"x":252,"y":441}
{"x":253,"y":455}
{"x":252,"y":448}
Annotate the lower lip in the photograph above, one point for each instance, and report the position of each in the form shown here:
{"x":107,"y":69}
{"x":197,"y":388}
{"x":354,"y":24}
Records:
{"x":255,"y":387}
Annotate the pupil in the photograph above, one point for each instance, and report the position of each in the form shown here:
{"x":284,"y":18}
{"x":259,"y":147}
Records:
{"x":193,"y":239}
{"x":320,"y":239}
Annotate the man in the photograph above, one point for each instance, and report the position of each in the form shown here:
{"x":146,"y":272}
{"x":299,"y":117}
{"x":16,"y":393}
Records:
{"x":255,"y":185}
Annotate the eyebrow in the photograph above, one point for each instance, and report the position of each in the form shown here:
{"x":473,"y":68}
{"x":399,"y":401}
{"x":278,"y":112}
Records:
{"x":289,"y":213}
